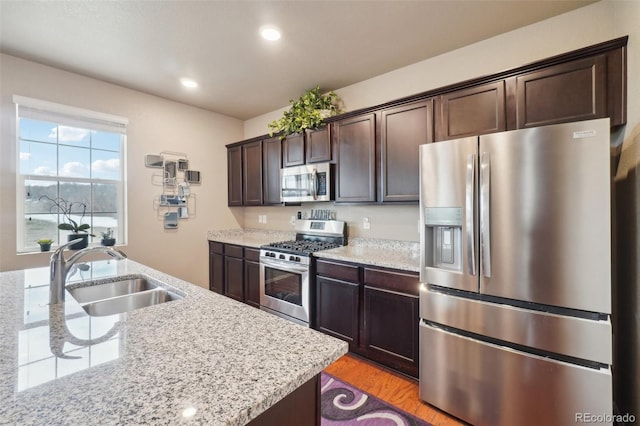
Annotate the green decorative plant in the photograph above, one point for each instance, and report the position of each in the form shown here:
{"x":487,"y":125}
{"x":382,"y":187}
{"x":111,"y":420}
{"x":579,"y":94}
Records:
{"x":308,"y":112}
{"x":45,"y":244}
{"x":67,"y":208}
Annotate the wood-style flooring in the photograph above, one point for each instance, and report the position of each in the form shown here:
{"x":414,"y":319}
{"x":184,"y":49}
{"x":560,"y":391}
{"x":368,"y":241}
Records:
{"x":388,"y":386}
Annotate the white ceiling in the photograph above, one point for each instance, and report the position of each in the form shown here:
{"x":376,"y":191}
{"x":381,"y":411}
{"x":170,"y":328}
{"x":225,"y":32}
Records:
{"x":149,"y":45}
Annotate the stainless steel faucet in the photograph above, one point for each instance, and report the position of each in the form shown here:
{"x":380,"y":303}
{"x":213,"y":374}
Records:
{"x":59,"y":267}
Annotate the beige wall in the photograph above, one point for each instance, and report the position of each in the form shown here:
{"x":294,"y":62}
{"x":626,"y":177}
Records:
{"x":586,"y":26}
{"x":155,"y":125}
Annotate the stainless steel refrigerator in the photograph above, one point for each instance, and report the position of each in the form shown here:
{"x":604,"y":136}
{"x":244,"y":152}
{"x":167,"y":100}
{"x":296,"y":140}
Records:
{"x":515,"y":298}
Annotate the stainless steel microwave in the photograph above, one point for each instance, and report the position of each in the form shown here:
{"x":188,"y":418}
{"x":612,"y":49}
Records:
{"x":308,"y":183}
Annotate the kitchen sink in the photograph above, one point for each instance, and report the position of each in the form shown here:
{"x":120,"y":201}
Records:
{"x":102,"y":297}
{"x":107,"y":290}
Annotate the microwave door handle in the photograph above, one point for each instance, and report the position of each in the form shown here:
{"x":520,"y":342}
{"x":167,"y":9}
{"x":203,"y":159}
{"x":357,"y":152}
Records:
{"x":469,"y":202}
{"x":314,"y":178}
{"x":485,"y":213}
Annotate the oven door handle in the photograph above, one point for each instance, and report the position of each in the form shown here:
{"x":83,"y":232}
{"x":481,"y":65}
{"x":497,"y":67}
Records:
{"x":283,"y":265}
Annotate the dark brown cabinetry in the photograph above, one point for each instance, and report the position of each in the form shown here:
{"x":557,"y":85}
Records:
{"x":567,"y":92}
{"x":252,"y":277}
{"x":375,"y":310}
{"x":293,"y":150}
{"x":216,"y":267}
{"x":403,"y":130}
{"x":252,"y":173}
{"x":271,"y":164}
{"x":390,"y":318}
{"x":338,"y":301}
{"x":235,"y":272}
{"x":355,"y":140}
{"x":234,"y":176}
{"x":314,"y":146}
{"x":318,"y":145}
{"x":473,"y":111}
{"x":374,"y":148}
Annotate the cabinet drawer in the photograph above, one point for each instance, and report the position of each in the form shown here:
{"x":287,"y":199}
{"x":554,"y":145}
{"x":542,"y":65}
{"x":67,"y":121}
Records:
{"x":215,"y":247}
{"x":233,"y":251}
{"x":252,"y":254}
{"x":339,"y":271}
{"x":395,"y":281}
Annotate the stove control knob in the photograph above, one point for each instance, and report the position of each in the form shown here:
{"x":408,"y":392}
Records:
{"x":282,"y":256}
{"x":292,"y":258}
{"x":297,"y":259}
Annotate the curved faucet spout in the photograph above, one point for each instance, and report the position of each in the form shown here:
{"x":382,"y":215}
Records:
{"x":59,"y":267}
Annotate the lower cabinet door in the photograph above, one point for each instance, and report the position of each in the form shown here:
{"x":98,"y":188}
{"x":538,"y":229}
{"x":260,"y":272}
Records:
{"x":337,"y":309}
{"x":391,"y":329}
{"x":234,"y":277}
{"x":252,"y":283}
{"x":216,"y":272}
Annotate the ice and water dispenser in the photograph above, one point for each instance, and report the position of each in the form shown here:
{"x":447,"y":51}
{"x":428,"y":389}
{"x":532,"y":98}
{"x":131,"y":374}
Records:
{"x":443,"y":238}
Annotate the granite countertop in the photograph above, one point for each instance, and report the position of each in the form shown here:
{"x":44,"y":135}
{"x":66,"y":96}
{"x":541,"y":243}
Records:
{"x":202,"y":359}
{"x":250,"y":237}
{"x":403,"y":255}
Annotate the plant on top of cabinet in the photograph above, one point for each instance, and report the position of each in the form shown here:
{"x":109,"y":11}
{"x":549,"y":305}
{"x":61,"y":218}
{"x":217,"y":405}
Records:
{"x":308,"y":112}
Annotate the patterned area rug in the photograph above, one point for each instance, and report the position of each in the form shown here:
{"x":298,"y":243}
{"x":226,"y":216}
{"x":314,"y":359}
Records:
{"x":345,"y":405}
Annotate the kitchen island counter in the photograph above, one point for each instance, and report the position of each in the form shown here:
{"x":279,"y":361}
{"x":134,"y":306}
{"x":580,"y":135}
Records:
{"x":201,"y":359}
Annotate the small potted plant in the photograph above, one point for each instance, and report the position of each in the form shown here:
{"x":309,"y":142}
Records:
{"x":308,"y":112}
{"x":45,"y":244}
{"x":77,"y":228}
{"x":107,"y":238}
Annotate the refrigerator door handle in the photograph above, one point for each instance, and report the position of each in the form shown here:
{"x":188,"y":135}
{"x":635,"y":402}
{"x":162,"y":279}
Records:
{"x":485,"y":213}
{"x":469,"y":203}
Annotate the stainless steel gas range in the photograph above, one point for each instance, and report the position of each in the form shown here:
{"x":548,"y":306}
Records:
{"x":286,"y":268}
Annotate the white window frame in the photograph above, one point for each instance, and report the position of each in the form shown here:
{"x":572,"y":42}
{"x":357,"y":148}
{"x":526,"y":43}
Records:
{"x":75,"y":117}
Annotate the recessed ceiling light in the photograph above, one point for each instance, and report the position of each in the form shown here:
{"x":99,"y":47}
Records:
{"x":189,"y":83}
{"x":270,"y":33}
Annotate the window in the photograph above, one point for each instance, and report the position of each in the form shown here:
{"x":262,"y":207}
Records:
{"x":74,"y":154}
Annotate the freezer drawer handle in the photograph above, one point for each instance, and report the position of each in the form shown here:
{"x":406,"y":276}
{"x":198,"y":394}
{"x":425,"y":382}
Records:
{"x":485,"y":213}
{"x":469,"y":202}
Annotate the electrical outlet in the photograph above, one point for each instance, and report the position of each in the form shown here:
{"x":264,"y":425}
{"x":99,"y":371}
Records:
{"x":264,"y":218}
{"x":292,"y":221}
{"x":365,"y":223}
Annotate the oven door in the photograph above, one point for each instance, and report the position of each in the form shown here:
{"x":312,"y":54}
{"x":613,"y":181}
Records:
{"x":284,"y":289}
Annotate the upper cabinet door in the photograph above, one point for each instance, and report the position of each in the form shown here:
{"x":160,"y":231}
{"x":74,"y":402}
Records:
{"x":318,"y":145}
{"x":234,"y":176}
{"x":356,"y":159}
{"x":470,"y":112}
{"x":252,"y":173}
{"x":572,"y":91}
{"x":271,"y":164}
{"x":403,"y":130}
{"x":293,"y":150}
